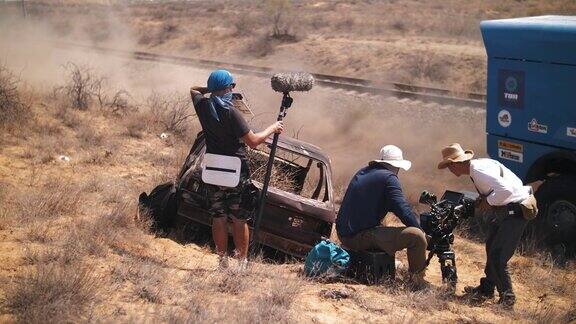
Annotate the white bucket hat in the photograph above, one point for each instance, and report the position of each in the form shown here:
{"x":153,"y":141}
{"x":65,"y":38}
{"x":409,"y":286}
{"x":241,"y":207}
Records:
{"x":392,"y":155}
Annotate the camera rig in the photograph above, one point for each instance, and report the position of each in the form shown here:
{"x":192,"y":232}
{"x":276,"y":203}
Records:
{"x":439,"y":223}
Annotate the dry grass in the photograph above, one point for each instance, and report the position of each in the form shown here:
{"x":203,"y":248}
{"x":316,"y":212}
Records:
{"x":57,"y":199}
{"x":84,"y":243}
{"x":171,"y":111}
{"x":53,"y":292}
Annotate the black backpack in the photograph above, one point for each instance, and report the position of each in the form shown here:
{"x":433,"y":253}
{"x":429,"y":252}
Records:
{"x":160,"y":205}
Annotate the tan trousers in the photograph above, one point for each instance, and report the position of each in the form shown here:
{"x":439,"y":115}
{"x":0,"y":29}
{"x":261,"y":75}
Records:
{"x":391,"y":240}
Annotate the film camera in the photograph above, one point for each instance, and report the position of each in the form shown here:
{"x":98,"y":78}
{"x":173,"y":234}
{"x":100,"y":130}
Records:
{"x":439,"y":223}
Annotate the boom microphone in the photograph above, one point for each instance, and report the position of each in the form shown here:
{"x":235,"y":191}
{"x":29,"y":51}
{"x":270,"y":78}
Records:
{"x":284,"y":83}
{"x":295,"y":81}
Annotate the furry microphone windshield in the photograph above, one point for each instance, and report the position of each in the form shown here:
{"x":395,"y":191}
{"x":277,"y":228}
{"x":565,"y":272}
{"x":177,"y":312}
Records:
{"x":296,"y":81}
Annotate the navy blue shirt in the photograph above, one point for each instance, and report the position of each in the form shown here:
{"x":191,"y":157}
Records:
{"x":372,"y":193}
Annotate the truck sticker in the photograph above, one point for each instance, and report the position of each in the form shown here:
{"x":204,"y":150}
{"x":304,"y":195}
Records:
{"x":511,"y":89}
{"x":515,"y":147}
{"x":536,"y":127}
{"x":504,"y":118}
{"x":511,"y":155}
{"x":571,"y":131}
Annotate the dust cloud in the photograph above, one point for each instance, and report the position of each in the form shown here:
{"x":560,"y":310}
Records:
{"x":350,"y":128}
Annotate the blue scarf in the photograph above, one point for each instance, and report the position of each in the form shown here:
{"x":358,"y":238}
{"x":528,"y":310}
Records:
{"x":224,"y":101}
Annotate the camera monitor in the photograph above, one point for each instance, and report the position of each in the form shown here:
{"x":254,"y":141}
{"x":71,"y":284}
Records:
{"x":453,"y":197}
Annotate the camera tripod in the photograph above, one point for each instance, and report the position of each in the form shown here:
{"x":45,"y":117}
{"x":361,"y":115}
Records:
{"x":447,"y":259}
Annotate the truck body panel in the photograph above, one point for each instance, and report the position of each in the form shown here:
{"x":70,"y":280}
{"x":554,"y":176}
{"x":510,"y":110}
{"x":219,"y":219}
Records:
{"x":531,"y":88}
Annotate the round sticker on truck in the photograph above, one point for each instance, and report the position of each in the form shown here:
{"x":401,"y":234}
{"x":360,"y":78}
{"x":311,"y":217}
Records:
{"x":504,"y":118}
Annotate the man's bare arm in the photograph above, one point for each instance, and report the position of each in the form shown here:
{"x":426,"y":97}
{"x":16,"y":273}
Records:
{"x":194,"y":91}
{"x":254,"y":139}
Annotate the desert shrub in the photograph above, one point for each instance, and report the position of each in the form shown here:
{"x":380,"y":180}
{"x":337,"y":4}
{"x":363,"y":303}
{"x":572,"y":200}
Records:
{"x":84,"y":86}
{"x":280,"y":13}
{"x":171,"y":111}
{"x":80,"y":87}
{"x":13,"y":109}
{"x":53,"y":293}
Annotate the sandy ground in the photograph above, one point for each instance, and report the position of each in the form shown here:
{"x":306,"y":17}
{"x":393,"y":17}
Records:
{"x":349,"y":127}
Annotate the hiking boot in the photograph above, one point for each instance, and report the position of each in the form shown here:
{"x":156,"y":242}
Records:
{"x":478,"y":292}
{"x":482,"y":291}
{"x":507,"y":300}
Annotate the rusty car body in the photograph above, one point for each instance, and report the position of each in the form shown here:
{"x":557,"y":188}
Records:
{"x":299,"y":209}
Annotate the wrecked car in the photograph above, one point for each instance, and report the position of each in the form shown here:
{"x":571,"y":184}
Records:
{"x":299,"y":208}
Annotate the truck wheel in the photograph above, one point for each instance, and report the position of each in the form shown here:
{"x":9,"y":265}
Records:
{"x":557,"y":210}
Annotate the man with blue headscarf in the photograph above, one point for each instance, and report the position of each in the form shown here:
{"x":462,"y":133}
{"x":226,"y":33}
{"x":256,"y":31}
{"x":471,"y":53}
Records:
{"x":227,"y":133}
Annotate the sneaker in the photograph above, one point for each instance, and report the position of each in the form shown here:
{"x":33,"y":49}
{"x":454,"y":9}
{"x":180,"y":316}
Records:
{"x":222,"y":262}
{"x":242,"y":265}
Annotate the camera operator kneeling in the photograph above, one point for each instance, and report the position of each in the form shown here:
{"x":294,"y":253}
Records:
{"x":507,"y":205}
{"x":373,"y":192}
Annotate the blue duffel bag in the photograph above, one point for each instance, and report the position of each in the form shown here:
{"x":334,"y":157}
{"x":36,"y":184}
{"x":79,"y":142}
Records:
{"x":326,"y":258}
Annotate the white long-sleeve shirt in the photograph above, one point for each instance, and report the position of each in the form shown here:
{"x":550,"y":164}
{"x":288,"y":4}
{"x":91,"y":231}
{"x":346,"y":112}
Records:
{"x":495,"y":181}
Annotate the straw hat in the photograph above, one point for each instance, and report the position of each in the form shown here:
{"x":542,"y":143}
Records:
{"x":392,"y":155}
{"x":454,"y":153}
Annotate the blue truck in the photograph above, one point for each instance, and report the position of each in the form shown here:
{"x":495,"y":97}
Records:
{"x":531,"y":113}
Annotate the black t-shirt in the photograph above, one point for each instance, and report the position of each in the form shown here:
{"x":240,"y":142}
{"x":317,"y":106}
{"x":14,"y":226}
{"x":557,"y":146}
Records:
{"x":222,"y":137}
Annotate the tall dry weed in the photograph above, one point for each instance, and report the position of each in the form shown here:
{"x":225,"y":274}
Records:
{"x":171,"y":111}
{"x":13,"y":109}
{"x":54,"y":200}
{"x":53,"y":293}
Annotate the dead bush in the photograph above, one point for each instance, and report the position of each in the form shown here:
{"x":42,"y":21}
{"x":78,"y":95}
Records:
{"x":53,"y":293}
{"x":171,"y":111}
{"x":13,"y":109}
{"x":281,"y":19}
{"x":81,"y":86}
{"x":84,"y":86}
{"x":118,"y":104}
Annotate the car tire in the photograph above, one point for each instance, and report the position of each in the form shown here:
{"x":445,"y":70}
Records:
{"x":556,"y":220}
